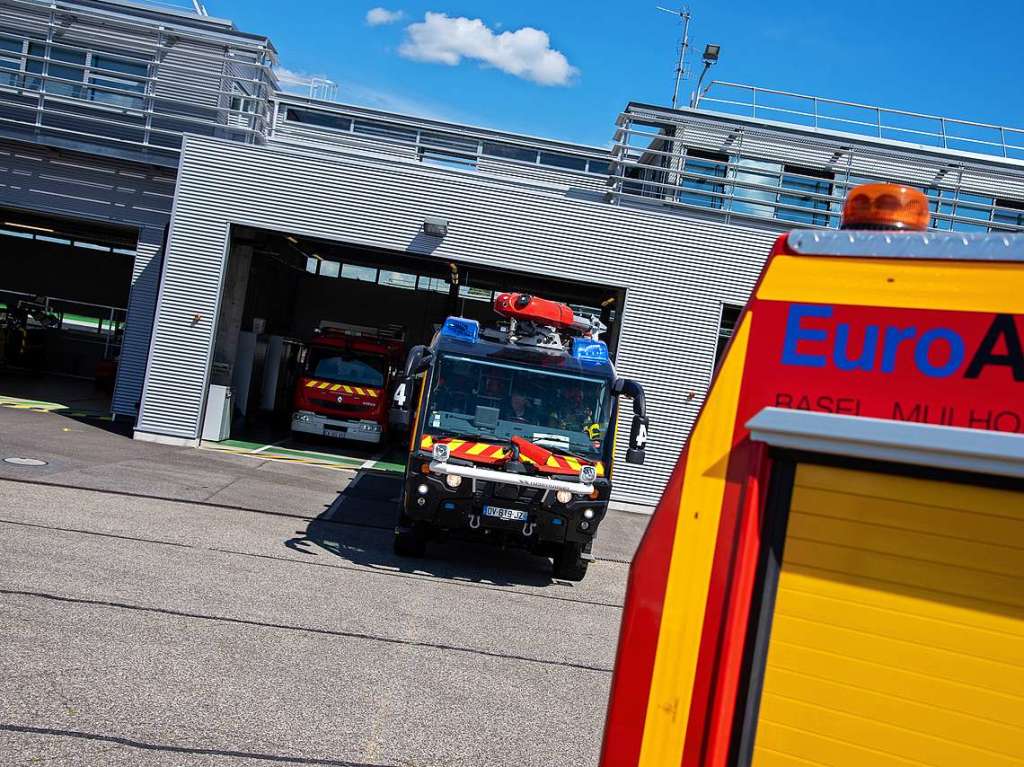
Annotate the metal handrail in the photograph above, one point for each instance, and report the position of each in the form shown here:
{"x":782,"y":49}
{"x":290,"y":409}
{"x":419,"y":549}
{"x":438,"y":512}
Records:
{"x":161,"y":104}
{"x":942,"y":136}
{"x":652,"y":166}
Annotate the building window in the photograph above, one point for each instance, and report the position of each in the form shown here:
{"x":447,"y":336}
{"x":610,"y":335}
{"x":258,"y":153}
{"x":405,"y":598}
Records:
{"x":127,"y":77}
{"x":958,"y":212}
{"x":445,"y":141}
{"x":600,"y":167}
{"x":445,"y":159}
{"x":1008,"y":214}
{"x":700,"y":171}
{"x":801,"y":184}
{"x":726,"y":326}
{"x":65,"y":71}
{"x":567,"y":161}
{"x":11,"y":59}
{"x":397,"y":280}
{"x":510,"y":152}
{"x":360,"y":273}
{"x":384,"y":130}
{"x":435,"y":284}
{"x":319,"y":119}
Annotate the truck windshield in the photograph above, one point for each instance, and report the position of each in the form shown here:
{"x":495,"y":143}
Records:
{"x":494,"y":400}
{"x":347,"y":367}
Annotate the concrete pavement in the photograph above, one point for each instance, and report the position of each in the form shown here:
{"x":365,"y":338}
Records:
{"x":172,"y":606}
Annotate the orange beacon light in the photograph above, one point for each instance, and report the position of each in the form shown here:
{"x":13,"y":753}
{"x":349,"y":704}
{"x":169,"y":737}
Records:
{"x":886,"y":206}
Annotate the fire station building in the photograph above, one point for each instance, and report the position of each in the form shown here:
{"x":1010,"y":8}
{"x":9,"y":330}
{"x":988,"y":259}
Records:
{"x":191,"y":223}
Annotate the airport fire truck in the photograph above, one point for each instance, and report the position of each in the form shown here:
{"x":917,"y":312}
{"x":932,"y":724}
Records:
{"x":835,"y":572}
{"x":513,"y":432}
{"x":347,"y":371}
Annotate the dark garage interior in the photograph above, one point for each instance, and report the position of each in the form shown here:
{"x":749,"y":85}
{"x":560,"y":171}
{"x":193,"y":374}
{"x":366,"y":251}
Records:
{"x":279,"y":288}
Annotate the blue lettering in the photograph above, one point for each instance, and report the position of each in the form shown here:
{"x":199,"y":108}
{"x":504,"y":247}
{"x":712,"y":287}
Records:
{"x":795,"y":334}
{"x":924,"y":345}
{"x":841,"y":350}
{"x":893,"y":338}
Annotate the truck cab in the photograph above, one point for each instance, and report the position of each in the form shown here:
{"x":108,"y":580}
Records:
{"x":513,"y":438}
{"x":346,"y":377}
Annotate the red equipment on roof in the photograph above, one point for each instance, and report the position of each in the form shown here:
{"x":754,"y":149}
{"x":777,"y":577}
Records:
{"x":521,"y":306}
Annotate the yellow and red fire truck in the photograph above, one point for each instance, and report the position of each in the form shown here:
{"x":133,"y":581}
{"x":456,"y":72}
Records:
{"x":347,"y":374}
{"x":834,"y":576}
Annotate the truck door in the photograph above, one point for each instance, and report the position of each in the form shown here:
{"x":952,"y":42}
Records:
{"x":890,"y":623}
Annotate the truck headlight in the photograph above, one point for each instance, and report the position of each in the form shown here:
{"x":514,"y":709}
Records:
{"x":423,"y":489}
{"x":563,"y":496}
{"x":452,"y":480}
{"x":588,"y":513}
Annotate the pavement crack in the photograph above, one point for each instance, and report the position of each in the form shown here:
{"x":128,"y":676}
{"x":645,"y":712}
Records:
{"x":304,"y":629}
{"x":194,"y":750}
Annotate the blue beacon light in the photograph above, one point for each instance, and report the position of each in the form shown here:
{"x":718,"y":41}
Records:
{"x":461,"y":329}
{"x":586,"y":350}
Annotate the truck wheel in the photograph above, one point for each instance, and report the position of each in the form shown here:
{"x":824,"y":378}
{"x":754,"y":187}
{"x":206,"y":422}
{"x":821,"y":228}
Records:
{"x":569,"y":565}
{"x":410,"y":542}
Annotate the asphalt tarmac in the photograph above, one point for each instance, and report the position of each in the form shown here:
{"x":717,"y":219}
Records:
{"x":170,"y":606}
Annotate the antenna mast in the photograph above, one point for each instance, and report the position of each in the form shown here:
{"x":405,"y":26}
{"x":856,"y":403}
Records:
{"x":684,"y":16}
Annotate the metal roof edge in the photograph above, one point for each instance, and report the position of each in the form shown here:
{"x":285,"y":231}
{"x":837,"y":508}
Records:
{"x":523,"y":138}
{"x":832,"y":135}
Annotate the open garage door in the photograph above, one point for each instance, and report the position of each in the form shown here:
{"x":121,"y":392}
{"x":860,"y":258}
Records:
{"x":64,"y":286}
{"x":291,"y":303}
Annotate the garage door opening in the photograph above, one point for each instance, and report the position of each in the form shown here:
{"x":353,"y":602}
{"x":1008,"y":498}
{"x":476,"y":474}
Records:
{"x":64,"y":286}
{"x":335,"y":320}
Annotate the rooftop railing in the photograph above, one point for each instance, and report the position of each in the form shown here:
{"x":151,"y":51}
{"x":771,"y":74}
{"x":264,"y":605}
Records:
{"x":656,"y":163}
{"x":864,"y":119}
{"x":127,"y":85}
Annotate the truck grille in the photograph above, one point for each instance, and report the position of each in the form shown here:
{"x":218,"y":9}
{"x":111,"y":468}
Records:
{"x":497,"y":491}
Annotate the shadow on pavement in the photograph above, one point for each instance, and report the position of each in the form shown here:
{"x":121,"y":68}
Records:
{"x":357,"y":527}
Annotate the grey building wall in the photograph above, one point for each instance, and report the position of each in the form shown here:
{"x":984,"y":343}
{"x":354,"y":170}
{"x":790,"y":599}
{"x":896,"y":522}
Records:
{"x":676,"y":271}
{"x":63,"y":183}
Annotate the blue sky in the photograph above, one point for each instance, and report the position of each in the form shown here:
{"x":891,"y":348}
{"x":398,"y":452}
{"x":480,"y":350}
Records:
{"x":937,"y":57}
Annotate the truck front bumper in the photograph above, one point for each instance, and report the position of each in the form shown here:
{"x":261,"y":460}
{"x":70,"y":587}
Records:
{"x":306,"y":422}
{"x":538,"y":520}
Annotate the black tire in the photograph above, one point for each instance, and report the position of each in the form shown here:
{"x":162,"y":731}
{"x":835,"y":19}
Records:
{"x":569,"y":564}
{"x":410,"y":542}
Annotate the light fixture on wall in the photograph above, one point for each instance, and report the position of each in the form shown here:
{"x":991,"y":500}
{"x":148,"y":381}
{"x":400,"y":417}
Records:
{"x":435,"y":227}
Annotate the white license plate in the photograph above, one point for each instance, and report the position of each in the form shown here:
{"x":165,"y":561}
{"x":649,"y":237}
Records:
{"x":515,"y":515}
{"x":335,"y":433}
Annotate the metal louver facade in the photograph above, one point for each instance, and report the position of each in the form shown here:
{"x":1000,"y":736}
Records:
{"x":676,"y":271}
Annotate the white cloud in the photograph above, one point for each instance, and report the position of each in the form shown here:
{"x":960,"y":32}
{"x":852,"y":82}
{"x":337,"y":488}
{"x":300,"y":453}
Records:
{"x":291,"y":80}
{"x":525,"y":53}
{"x":377,"y":16}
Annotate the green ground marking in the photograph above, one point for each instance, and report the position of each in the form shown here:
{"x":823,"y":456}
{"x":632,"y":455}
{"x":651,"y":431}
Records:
{"x":269,"y":450}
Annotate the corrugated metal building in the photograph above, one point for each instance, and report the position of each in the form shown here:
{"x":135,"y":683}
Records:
{"x":672,"y":224}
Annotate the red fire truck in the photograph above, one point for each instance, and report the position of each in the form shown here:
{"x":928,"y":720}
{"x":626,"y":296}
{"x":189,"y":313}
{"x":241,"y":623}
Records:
{"x":347,"y":372}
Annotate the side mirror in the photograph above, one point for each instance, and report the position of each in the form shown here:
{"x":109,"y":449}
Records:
{"x":636,"y":452}
{"x":419,"y":360}
{"x":637,"y":440}
{"x":400,"y":415}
